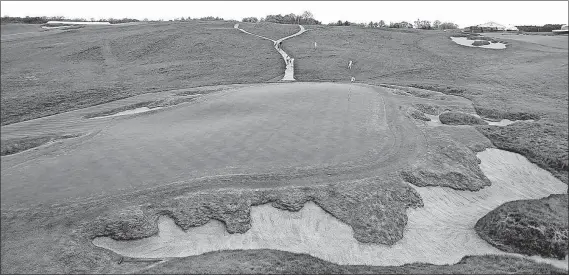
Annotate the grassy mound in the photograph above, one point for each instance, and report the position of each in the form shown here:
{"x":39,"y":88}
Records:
{"x":416,"y":114}
{"x":447,"y":164}
{"x":531,"y":227}
{"x":498,"y":114}
{"x":480,"y":43}
{"x":459,"y":118}
{"x":67,"y":229}
{"x":446,"y":89}
{"x":266,"y":261}
{"x":351,"y":202}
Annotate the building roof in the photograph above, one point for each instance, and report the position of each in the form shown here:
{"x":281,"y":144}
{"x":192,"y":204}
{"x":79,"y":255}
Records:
{"x":492,"y":25}
{"x":512,"y":28}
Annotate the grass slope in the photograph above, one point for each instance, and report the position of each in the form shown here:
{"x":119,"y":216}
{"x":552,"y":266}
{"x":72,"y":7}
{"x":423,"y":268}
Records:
{"x":526,"y":77}
{"x":532,"y":227}
{"x":49,"y":74}
{"x":270,"y":30}
{"x":525,"y":81}
{"x":12,"y":29}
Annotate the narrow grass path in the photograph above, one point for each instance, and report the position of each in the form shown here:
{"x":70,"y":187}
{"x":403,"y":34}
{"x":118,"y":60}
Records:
{"x":289,"y":71}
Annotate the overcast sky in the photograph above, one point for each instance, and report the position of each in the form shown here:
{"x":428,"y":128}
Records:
{"x":460,"y":12}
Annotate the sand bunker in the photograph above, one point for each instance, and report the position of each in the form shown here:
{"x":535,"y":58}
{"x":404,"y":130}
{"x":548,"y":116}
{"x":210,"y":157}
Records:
{"x":467,"y":42}
{"x":440,"y":233}
{"x":435,"y":121}
{"x":505,"y":122}
{"x":131,"y":111}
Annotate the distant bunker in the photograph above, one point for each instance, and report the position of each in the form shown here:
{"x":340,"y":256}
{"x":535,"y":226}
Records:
{"x":77,"y":23}
{"x":482,"y":42}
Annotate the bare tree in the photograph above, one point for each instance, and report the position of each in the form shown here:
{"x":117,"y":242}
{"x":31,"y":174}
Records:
{"x":307,"y":15}
{"x":422,"y":24}
{"x":448,"y":25}
{"x":436,"y":24}
{"x":250,"y":19}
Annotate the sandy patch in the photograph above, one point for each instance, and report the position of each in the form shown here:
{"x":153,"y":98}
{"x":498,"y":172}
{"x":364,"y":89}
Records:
{"x":435,"y":121}
{"x":506,"y":122}
{"x":440,"y":233}
{"x":131,"y":111}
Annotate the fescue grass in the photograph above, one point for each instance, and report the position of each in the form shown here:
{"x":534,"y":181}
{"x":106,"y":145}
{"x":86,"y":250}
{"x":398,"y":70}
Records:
{"x":12,"y":146}
{"x":416,"y":114}
{"x":428,"y":108}
{"x":460,"y":118}
{"x":446,"y":89}
{"x":199,"y":91}
{"x":62,"y":234}
{"x":267,"y":261}
{"x":532,"y":227}
{"x":497,"y":114}
{"x":149,"y":104}
{"x":480,"y":43}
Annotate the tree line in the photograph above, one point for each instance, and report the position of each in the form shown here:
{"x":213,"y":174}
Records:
{"x":306,"y":18}
{"x":544,"y":28}
{"x":418,"y":24}
{"x":45,"y":19}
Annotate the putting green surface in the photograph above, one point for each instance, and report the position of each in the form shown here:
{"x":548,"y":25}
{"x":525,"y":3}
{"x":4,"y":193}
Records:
{"x":301,"y":131}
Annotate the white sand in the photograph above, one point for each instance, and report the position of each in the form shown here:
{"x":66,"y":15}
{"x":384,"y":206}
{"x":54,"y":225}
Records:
{"x":130,"y":112}
{"x":435,"y":121}
{"x":466,"y":42}
{"x":78,"y":23}
{"x":505,"y":122}
{"x":440,"y":233}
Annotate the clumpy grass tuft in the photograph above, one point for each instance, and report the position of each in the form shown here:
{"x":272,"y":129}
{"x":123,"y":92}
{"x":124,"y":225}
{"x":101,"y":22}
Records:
{"x":13,"y":146}
{"x":459,"y":118}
